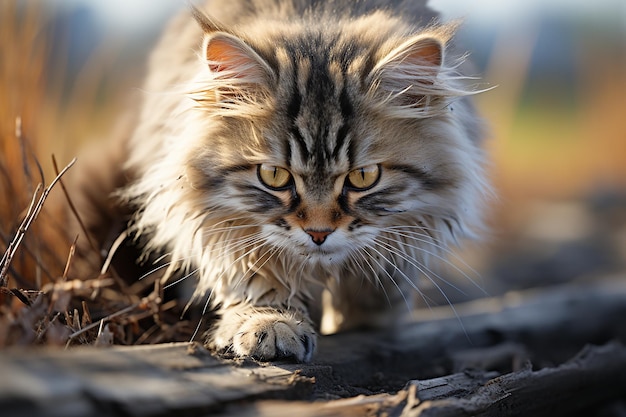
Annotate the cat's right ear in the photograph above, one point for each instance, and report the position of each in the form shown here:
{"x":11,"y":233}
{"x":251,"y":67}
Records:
{"x":229,"y":57}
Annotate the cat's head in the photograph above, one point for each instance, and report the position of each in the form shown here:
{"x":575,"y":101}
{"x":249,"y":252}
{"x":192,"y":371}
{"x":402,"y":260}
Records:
{"x":324,"y":138}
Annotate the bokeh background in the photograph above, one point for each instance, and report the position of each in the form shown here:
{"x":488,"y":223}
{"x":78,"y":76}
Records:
{"x":556,"y":118}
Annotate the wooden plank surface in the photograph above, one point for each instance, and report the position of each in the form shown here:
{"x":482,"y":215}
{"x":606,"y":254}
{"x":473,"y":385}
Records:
{"x":361,"y":371}
{"x":588,"y":385}
{"x":138,"y":381}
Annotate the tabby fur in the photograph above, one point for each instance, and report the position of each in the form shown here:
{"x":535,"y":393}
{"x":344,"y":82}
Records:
{"x":325,"y":91}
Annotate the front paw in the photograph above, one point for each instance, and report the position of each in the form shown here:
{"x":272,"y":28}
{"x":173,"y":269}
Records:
{"x":267,"y":334}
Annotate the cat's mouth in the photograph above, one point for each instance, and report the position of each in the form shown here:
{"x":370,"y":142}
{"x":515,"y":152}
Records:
{"x":329,"y":248}
{"x":321,"y":255}
{"x":318,"y":252}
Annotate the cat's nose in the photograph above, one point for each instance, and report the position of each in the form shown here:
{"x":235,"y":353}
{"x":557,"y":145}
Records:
{"x":318,"y":236}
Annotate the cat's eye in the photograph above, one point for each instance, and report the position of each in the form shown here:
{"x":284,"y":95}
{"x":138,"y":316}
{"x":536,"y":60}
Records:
{"x":363,"y":178}
{"x":274,"y":177}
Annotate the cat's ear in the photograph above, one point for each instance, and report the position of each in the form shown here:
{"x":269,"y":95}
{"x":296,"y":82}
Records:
{"x":229,"y":57}
{"x":407,"y":74}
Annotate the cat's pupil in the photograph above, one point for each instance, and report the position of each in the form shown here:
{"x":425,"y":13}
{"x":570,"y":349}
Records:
{"x":364,"y":178}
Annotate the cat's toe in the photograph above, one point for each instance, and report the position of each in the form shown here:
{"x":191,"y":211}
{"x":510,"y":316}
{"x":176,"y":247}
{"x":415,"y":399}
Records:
{"x":289,"y":343}
{"x":274,"y":336}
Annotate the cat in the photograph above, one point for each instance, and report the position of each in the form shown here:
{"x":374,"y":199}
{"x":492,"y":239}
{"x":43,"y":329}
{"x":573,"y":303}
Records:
{"x":303,"y":160}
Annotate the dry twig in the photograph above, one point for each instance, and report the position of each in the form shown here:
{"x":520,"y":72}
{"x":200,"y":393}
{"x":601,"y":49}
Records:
{"x":39,"y":197}
{"x":73,"y":208}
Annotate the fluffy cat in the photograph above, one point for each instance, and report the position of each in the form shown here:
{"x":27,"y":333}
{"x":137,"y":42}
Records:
{"x":303,"y":159}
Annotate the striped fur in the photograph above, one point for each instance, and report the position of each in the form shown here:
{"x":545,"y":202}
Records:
{"x":319,"y":88}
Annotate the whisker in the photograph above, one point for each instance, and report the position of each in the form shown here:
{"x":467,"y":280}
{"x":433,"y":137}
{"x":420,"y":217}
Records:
{"x":270,"y":255}
{"x":227,"y":247}
{"x":208,"y":231}
{"x":204,"y":310}
{"x":234,"y":245}
{"x":393,"y":249}
{"x":441,"y":291}
{"x":427,"y":300}
{"x":375,"y":274}
{"x":390,"y":276}
{"x":230,"y":220}
{"x":412,"y":235}
{"x":154,"y":270}
{"x":242,"y":256}
{"x":179,"y":280}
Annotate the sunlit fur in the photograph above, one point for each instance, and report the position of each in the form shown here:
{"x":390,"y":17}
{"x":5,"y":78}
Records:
{"x":320,"y":91}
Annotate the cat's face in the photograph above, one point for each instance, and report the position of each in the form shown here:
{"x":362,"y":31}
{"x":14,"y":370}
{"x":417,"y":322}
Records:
{"x":321,"y":191}
{"x":325,"y":167}
{"x":340,"y":175}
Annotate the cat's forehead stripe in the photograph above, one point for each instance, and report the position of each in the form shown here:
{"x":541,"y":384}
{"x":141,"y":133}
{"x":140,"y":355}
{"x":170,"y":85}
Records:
{"x":293,"y":111}
{"x":318,"y":110}
{"x":346,"y":112}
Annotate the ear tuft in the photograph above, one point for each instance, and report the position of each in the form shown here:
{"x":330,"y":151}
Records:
{"x":207,"y":24}
{"x":408,"y":74}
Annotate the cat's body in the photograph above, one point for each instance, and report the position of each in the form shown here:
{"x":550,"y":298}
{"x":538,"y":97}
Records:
{"x":316,"y":152}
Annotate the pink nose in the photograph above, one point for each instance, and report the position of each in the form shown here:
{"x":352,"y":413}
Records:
{"x":318,"y":236}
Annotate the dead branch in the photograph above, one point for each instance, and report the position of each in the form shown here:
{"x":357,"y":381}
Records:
{"x":5,"y":262}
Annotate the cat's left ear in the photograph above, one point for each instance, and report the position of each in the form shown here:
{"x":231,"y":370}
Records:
{"x":409,"y":72}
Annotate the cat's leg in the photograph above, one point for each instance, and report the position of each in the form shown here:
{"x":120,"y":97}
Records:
{"x":353,"y":302}
{"x":264,"y":319}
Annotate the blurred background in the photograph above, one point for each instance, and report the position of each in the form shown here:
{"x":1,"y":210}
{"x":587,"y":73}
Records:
{"x":556,"y":119}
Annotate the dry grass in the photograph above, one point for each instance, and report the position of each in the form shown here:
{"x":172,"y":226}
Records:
{"x":38,"y":304}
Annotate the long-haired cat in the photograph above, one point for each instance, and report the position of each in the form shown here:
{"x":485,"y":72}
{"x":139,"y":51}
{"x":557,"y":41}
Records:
{"x":302,"y":159}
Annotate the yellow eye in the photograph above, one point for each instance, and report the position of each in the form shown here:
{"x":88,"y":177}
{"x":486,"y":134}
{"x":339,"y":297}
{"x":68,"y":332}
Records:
{"x":274,"y":177}
{"x":364,"y":178}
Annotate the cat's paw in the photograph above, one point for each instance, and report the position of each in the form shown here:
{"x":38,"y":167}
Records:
{"x":267,"y":335}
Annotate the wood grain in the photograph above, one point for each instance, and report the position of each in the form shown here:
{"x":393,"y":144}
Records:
{"x":432,"y":367}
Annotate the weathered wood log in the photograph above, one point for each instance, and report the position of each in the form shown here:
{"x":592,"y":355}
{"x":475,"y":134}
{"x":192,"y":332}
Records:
{"x":138,"y":381}
{"x":497,"y":335}
{"x":594,"y":377}
{"x":546,"y":326}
